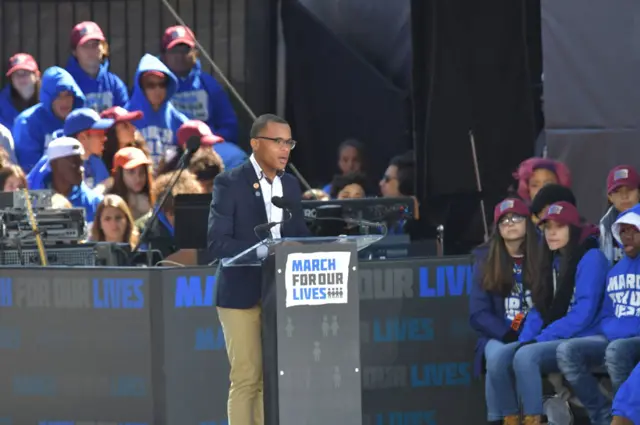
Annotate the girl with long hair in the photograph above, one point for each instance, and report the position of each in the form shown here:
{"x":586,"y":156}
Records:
{"x":113,"y":222}
{"x":12,"y":178}
{"x":22,"y":90}
{"x":623,"y":183}
{"x":567,"y":297}
{"x":504,"y":271}
{"x":133,"y":180}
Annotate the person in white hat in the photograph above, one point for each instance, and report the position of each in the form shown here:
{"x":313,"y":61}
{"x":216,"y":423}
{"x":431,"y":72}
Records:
{"x":64,"y":175}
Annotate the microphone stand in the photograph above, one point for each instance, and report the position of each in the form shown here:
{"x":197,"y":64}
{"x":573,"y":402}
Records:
{"x":193,"y":144}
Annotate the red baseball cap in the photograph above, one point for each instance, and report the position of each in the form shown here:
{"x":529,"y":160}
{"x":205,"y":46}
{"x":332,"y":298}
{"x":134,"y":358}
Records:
{"x":129,"y":158}
{"x":178,"y":35}
{"x":510,"y":206}
{"x":119,"y":114}
{"x":85,"y":31}
{"x":22,"y":61}
{"x":562,"y":212}
{"x":197,"y":128}
{"x":622,"y":175}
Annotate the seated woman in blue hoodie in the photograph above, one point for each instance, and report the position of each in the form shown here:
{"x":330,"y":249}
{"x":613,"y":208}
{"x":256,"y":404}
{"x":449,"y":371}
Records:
{"x":33,"y":129}
{"x":89,"y":66}
{"x":154,"y":86}
{"x":567,"y":297}
{"x":626,"y":404}
{"x":500,"y":299}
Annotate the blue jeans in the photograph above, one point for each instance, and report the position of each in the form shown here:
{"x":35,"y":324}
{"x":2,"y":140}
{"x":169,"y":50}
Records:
{"x":621,"y":357}
{"x":577,"y":358}
{"x":499,"y":383}
{"x":529,"y":364}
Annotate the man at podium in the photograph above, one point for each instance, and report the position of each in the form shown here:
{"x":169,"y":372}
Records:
{"x":241,"y":203}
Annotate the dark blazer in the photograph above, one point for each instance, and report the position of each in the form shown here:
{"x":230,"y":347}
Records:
{"x":486,"y":311}
{"x":237,"y":207}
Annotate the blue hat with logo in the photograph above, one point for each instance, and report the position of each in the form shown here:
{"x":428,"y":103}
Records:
{"x":85,"y":119}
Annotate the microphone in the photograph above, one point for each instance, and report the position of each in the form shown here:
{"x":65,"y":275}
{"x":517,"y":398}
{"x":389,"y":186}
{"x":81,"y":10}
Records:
{"x":284,"y":205}
{"x":192,"y":145}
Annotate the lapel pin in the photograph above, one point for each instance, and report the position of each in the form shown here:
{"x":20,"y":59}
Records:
{"x":258,"y":194}
{"x":256,"y":186}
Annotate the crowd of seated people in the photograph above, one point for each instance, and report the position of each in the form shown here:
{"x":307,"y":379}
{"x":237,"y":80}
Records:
{"x":79,"y":131}
{"x":554,"y":295}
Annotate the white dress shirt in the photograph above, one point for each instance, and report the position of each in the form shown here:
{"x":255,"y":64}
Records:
{"x":269,"y":190}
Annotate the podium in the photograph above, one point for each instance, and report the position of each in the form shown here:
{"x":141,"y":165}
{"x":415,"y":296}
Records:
{"x":310,"y":328}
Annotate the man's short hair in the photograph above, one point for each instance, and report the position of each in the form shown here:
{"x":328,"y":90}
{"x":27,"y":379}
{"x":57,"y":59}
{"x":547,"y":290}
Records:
{"x":406,"y":166}
{"x":186,"y":184}
{"x":261,"y":122}
{"x":206,"y":164}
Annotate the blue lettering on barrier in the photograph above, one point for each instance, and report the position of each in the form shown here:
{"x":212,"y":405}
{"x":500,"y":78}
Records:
{"x":400,"y":329}
{"x":190,"y":293}
{"x":406,"y":418}
{"x":209,"y":340}
{"x":128,"y":386}
{"x":118,"y":293}
{"x":451,"y":281}
{"x":309,"y":294}
{"x":315,"y":265}
{"x":34,"y":385}
{"x":6,"y":292}
{"x":9,"y":339}
{"x":440,"y":374}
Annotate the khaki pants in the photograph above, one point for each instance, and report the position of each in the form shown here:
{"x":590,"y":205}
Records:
{"x":242,"y":336}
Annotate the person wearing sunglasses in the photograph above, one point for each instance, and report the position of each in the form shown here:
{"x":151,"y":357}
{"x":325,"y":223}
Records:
{"x":154,"y":86}
{"x":398,"y":178}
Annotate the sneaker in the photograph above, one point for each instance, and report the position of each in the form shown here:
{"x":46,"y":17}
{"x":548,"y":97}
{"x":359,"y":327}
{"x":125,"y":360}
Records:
{"x":557,"y":411}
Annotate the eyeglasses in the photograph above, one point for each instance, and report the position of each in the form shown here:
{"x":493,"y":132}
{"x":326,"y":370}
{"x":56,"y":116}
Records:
{"x":280,"y":141}
{"x":513,"y":219}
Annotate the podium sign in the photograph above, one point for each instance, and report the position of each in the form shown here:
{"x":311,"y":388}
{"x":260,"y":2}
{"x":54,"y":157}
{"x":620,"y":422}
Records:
{"x":312,"y":360}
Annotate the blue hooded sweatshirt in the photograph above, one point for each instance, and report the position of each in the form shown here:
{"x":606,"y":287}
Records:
{"x":490,"y":315}
{"x":201,"y":97}
{"x":102,"y":92}
{"x":626,"y":403}
{"x":159,"y":128}
{"x":621,"y":306}
{"x":34,"y":127}
{"x":8,"y":112}
{"x":81,"y":196}
{"x":583,"y":316}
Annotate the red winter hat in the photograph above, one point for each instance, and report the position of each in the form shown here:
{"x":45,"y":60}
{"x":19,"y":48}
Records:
{"x":84,"y":32}
{"x":178,"y":35}
{"x":22,"y":61}
{"x":510,"y":206}
{"x":119,"y":114}
{"x":197,"y":128}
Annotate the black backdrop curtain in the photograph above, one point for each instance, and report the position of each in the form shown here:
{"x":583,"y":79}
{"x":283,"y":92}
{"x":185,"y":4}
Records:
{"x":334,"y":94}
{"x":476,"y":65}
